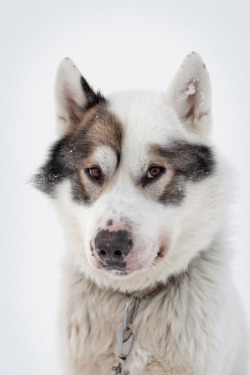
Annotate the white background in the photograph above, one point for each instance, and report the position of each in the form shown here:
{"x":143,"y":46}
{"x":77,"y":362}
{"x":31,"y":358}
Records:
{"x":116,"y":45}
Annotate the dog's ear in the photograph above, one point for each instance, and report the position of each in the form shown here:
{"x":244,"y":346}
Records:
{"x":190,"y":94}
{"x":73,"y":96}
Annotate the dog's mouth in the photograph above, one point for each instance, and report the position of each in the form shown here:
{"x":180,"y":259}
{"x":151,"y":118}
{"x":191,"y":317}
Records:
{"x":160,"y":255}
{"x":116,"y":271}
{"x":121,"y":271}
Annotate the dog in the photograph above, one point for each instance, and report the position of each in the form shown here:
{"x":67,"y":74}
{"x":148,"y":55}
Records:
{"x":142,"y":195}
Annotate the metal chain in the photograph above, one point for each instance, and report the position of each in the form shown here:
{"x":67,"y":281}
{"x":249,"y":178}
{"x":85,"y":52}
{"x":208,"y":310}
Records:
{"x":125,"y":334}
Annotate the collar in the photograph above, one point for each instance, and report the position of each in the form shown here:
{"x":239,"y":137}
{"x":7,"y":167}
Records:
{"x":147,"y":293}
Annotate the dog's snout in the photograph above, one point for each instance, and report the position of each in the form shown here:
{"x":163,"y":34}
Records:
{"x":113,"y":246}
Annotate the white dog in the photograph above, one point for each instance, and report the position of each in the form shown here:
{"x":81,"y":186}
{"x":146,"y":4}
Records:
{"x":142,"y":197}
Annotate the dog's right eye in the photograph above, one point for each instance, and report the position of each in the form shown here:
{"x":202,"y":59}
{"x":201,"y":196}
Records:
{"x":94,"y":173}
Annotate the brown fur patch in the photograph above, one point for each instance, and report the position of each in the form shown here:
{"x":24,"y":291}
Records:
{"x":192,"y":98}
{"x":99,"y":127}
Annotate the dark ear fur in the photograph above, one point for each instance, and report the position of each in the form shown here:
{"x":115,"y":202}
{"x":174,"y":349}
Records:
{"x":73,"y":96}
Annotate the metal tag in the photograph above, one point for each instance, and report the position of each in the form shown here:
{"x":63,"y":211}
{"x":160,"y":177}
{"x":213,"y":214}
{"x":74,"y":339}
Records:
{"x":125,"y":339}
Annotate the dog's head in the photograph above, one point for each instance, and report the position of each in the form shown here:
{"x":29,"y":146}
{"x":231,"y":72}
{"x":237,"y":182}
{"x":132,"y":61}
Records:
{"x":137,"y":185}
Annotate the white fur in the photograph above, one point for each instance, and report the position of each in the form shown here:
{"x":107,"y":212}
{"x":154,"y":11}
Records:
{"x":194,"y":325}
{"x":191,"y":86}
{"x":67,"y":86}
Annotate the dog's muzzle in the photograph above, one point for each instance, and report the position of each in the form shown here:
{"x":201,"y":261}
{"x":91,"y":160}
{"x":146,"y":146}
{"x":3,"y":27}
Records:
{"x":113,"y":247}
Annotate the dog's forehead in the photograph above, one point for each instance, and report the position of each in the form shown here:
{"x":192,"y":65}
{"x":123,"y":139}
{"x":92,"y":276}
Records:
{"x":146,"y":119}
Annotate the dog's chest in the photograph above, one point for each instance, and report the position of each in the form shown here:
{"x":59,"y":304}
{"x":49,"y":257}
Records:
{"x":167,"y":337}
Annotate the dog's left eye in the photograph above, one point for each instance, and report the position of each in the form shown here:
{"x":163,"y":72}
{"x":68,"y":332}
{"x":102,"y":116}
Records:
{"x":94,"y":173}
{"x":154,"y":171}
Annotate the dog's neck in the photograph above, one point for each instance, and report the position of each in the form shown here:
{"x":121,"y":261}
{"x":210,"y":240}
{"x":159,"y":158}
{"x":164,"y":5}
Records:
{"x":147,"y":293}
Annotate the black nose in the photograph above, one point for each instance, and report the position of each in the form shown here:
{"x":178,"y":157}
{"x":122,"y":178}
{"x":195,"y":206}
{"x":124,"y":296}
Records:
{"x":112,"y":247}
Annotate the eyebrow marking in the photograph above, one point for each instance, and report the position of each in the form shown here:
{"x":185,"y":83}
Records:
{"x":190,"y":162}
{"x":193,"y":161}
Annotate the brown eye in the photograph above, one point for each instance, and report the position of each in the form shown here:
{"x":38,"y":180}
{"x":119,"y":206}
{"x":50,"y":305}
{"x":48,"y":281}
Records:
{"x":154,"y":171}
{"x":94,"y":173}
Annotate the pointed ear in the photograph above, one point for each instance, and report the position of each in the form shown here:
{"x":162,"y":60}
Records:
{"x":73,"y":97}
{"x":190,"y":94}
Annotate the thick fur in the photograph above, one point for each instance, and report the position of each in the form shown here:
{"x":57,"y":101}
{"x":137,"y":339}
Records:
{"x":139,"y":167}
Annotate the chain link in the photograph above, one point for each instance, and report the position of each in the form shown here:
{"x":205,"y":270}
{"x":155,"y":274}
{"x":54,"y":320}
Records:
{"x":125,"y":335}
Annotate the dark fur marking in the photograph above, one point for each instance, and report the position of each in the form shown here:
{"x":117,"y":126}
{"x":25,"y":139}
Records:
{"x":98,"y":127}
{"x":76,"y":110}
{"x":191,"y":162}
{"x":93,"y":98}
{"x":54,"y":171}
{"x":60,"y":165}
{"x":174,"y":192}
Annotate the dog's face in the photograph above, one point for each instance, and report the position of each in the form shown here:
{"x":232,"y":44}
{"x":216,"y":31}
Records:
{"x":133,"y":176}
